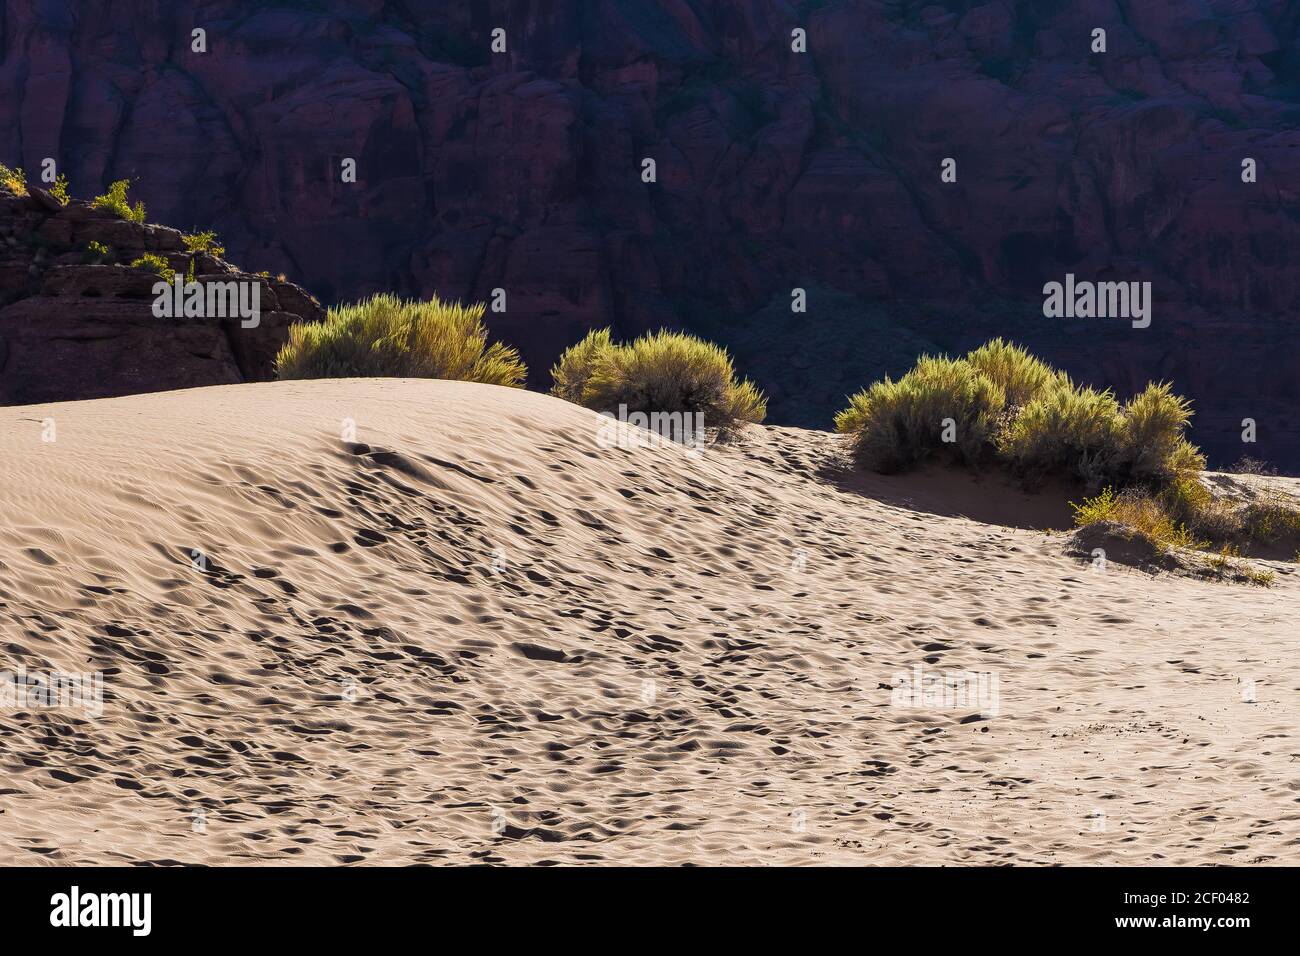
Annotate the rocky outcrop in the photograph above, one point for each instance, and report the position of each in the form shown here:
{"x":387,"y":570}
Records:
{"x":521,"y":170}
{"x":72,"y":327}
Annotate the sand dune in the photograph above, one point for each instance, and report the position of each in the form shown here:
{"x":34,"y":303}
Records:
{"x":470,"y":634}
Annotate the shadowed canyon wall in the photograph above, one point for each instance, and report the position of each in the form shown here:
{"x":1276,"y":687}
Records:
{"x":775,"y":170}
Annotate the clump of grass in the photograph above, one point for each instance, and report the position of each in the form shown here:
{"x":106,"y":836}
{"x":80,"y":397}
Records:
{"x":115,"y":200}
{"x":1187,"y":516}
{"x":1270,"y":517}
{"x":386,"y":336}
{"x":205,"y":242}
{"x":666,"y":372}
{"x":1246,"y":465}
{"x":60,"y":190}
{"x":1227,"y":564}
{"x":13,"y":180}
{"x":1141,"y":514}
{"x":155,"y":263}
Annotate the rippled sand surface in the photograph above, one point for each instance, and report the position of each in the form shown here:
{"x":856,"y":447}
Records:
{"x":393,"y":621}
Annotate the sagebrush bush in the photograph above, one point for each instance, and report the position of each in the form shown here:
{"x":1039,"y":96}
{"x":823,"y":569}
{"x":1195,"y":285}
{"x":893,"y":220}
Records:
{"x":900,"y":424}
{"x":115,"y":200}
{"x":1154,"y":450}
{"x":659,"y":372}
{"x":386,"y":336}
{"x":570,"y":374}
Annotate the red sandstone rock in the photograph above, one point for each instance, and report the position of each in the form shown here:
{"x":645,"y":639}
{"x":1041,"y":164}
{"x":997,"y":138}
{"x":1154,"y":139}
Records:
{"x":72,"y":330}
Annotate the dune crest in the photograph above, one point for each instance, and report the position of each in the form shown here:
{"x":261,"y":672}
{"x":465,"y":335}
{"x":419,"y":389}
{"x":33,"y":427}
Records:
{"x":399,"y":621}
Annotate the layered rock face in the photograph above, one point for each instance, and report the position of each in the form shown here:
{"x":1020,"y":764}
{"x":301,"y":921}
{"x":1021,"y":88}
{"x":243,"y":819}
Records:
{"x":522,"y":170}
{"x":73,"y":327}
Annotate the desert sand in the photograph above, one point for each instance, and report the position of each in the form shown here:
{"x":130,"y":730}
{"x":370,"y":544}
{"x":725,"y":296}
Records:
{"x":471,"y":634}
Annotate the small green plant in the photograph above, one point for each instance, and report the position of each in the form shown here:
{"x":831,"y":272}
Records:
{"x":13,"y":180}
{"x":60,"y":190}
{"x":191,"y":273}
{"x":204,"y":242}
{"x":387,"y":336}
{"x":155,"y":263}
{"x":1228,"y":564}
{"x":1097,"y":509}
{"x":115,"y":200}
{"x":97,"y":252}
{"x":660,"y":372}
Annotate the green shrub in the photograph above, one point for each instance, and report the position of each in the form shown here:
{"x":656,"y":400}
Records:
{"x":13,"y":180}
{"x":1013,"y":409}
{"x":115,"y":201}
{"x":155,"y":263}
{"x":204,"y":242}
{"x":388,"y":336}
{"x":897,"y":425}
{"x":1141,"y":514}
{"x":663,"y":371}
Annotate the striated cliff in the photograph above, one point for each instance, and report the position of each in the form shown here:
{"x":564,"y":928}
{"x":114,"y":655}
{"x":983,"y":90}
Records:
{"x":77,"y":320}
